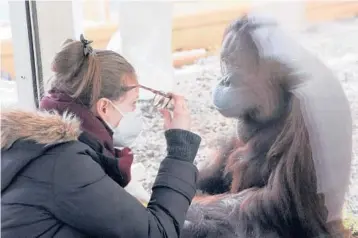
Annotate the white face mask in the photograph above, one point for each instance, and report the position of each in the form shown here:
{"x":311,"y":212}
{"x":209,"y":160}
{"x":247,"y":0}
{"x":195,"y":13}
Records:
{"x":128,"y":130}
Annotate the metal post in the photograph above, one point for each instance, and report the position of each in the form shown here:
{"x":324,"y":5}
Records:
{"x":25,"y":82}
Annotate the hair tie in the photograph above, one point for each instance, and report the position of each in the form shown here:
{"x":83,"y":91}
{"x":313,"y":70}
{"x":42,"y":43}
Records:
{"x":87,"y":48}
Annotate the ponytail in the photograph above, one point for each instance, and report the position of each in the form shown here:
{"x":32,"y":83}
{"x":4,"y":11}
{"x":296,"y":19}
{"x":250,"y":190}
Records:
{"x":93,"y":76}
{"x":87,"y":75}
{"x":78,"y":71}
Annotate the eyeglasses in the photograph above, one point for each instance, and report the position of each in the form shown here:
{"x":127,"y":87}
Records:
{"x":160,"y":100}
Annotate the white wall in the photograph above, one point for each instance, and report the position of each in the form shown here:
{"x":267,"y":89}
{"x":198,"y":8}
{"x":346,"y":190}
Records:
{"x":144,"y":38}
{"x":57,"y":21}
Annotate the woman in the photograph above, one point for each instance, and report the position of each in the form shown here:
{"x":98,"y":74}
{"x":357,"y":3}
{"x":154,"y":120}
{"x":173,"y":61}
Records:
{"x":61,"y":174}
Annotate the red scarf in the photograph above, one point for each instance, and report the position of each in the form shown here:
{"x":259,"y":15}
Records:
{"x":93,"y":125}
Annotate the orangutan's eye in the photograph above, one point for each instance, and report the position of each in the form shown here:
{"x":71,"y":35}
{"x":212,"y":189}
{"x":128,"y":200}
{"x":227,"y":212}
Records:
{"x":225,"y":81}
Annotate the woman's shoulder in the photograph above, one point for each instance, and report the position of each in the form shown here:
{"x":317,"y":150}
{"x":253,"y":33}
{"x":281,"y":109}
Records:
{"x":75,"y":164}
{"x":46,"y":134}
{"x":71,"y":147}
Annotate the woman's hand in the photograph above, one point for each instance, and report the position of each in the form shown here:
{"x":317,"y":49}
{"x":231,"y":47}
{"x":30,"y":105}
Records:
{"x":180,"y":118}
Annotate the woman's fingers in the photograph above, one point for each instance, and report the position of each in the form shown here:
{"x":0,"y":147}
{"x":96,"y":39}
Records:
{"x":167,"y":118}
{"x":181,"y":116}
{"x":179,"y":102}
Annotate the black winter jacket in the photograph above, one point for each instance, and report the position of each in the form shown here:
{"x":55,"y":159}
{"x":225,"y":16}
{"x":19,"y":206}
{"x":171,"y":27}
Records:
{"x":53,"y":186}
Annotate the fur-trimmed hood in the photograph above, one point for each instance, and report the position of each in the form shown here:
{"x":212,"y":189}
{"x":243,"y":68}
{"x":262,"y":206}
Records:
{"x":25,"y":136}
{"x":42,"y":127}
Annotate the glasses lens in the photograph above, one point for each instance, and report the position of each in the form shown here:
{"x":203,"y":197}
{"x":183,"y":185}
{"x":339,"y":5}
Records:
{"x":156,"y":100}
{"x":160,"y":102}
{"x":166,"y":102}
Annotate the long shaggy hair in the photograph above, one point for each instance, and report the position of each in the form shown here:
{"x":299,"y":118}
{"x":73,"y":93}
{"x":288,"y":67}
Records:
{"x":270,"y":189}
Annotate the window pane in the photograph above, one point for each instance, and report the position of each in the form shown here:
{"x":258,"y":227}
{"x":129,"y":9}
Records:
{"x":8,"y":90}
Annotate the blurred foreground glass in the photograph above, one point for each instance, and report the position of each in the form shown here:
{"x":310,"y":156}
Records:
{"x":8,"y":89}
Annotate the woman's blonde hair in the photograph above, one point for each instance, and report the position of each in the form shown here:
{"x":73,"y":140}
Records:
{"x":88,"y":75}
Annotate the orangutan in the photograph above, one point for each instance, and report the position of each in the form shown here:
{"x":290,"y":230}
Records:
{"x":263,"y":182}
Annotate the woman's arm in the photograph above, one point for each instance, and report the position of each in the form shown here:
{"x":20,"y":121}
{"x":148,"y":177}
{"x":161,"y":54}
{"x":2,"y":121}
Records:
{"x":88,"y":200}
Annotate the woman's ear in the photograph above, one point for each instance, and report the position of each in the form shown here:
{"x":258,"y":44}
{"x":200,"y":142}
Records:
{"x":105,"y":110}
{"x":101,"y":107}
